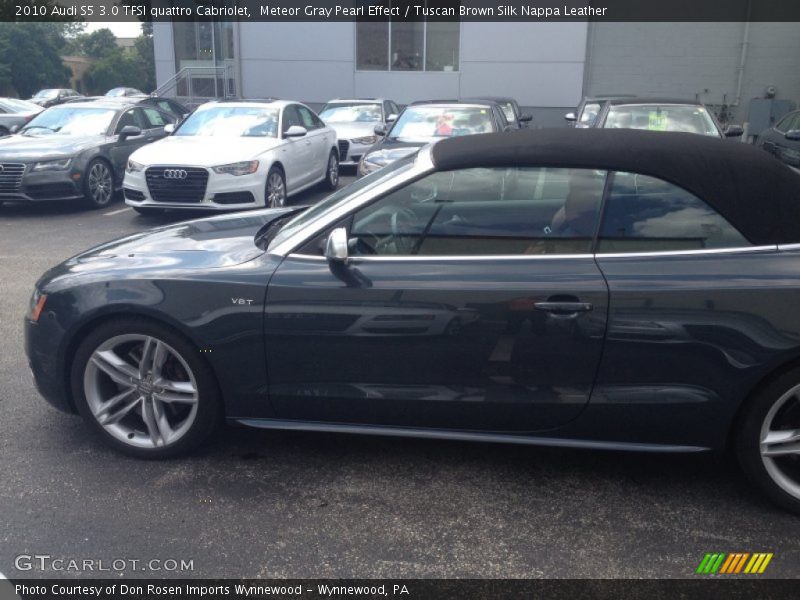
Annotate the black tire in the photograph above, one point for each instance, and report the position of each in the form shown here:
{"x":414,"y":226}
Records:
{"x":332,"y":171}
{"x":98,"y":184}
{"x":148,"y":211}
{"x":775,"y":476}
{"x":273,"y":197}
{"x":209,"y":404}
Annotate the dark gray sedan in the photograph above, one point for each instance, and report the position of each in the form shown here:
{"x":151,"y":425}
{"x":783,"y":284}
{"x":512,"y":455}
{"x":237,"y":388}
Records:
{"x":76,"y":151}
{"x":783,"y":140}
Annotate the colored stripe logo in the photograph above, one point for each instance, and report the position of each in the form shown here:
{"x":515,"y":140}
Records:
{"x":734,"y":563}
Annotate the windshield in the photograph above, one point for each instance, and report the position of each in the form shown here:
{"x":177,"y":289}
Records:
{"x":669,"y":117}
{"x":324,"y":206}
{"x":351,"y":113}
{"x":232,"y":121}
{"x":13,"y":105}
{"x":427,"y":123}
{"x":63,"y":120}
{"x":46,"y":94}
{"x":116,"y":92}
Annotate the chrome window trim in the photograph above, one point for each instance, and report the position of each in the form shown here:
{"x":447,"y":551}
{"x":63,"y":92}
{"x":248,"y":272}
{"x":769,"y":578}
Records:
{"x":444,"y":258}
{"x":707,"y":251}
{"x":489,"y":257}
{"x":788,"y":247}
{"x":423,"y":164}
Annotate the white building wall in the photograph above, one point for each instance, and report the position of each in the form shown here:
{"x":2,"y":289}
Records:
{"x":694,"y":59}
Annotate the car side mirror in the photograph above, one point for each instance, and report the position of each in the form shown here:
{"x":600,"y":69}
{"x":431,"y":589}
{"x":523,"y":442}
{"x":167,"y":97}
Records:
{"x":570,"y":116}
{"x":129,"y":131}
{"x":734,"y":131}
{"x":14,"y":129}
{"x":336,"y":246}
{"x":793,"y":135}
{"x":169,"y":128}
{"x":525,"y":118}
{"x":380,"y":130}
{"x":295,"y":131}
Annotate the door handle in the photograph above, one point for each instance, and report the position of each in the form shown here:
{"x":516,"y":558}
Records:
{"x":563,"y":308}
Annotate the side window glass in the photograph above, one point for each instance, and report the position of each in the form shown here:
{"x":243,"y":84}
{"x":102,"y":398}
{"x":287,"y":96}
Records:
{"x":306,"y":118}
{"x":589,"y":114}
{"x":131,"y":117}
{"x":783,"y":124}
{"x":155,"y":118}
{"x":290,"y":117}
{"x":645,"y":214}
{"x":484,"y":211}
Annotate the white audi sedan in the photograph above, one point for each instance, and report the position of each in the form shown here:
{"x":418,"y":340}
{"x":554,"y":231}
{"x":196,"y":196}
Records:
{"x":232,"y":156}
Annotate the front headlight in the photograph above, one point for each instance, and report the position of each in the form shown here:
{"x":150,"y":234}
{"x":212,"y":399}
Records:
{"x":134,"y":167}
{"x":370,"y":139}
{"x":245,"y":167}
{"x":53,"y":165}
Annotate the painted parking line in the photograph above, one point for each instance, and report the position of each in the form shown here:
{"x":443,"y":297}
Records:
{"x":116,"y":212}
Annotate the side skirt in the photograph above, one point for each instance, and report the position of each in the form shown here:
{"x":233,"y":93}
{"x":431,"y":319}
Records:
{"x":466,"y":436}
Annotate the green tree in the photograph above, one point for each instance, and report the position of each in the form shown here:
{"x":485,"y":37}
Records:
{"x":31,"y":59}
{"x":116,"y":69}
{"x":99,"y":43}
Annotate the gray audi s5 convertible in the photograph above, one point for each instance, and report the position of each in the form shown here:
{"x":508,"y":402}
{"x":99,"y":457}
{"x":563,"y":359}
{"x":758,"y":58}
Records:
{"x":606,"y":289}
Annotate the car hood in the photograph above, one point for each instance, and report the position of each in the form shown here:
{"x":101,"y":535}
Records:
{"x":212,"y":243}
{"x":203,"y":151}
{"x":42,"y":147}
{"x":347,"y":131}
{"x":388,"y":150}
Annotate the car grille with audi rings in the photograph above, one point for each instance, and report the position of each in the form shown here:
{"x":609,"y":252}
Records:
{"x":11,"y":177}
{"x":344,"y":145}
{"x":176,"y":184}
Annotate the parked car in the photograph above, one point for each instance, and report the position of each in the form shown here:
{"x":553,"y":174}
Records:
{"x":51,"y":97}
{"x":121,"y":92}
{"x":515,"y":117}
{"x":15,"y":113}
{"x":623,"y":290}
{"x":166,"y":104}
{"x":234,"y":155}
{"x":424,"y":122}
{"x":589,"y":109}
{"x":354,"y":122}
{"x":654,"y":114}
{"x":783,"y":140}
{"x":76,"y":151}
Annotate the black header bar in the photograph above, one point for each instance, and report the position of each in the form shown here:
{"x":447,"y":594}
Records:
{"x":402,"y":10}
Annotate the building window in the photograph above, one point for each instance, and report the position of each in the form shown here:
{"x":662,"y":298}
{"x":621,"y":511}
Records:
{"x":407,"y":46}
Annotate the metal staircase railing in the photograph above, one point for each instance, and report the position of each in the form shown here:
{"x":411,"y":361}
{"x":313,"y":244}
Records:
{"x":194,"y":85}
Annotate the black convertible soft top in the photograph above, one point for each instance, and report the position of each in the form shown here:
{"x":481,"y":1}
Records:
{"x":758,"y":194}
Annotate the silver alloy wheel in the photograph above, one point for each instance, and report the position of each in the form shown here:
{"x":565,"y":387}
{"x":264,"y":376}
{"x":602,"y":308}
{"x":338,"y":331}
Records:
{"x":141,"y":390}
{"x":101,"y":185}
{"x":333,"y":171}
{"x":780,"y":443}
{"x":276,"y":190}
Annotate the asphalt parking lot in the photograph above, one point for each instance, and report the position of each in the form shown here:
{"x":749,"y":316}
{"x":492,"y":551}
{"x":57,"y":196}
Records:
{"x":291,"y":504}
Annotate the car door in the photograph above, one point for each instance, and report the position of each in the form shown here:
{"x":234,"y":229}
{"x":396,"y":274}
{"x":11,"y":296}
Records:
{"x":123,"y":147}
{"x":686,"y":328}
{"x":469,"y":301}
{"x":296,"y":153}
{"x":321,"y":141}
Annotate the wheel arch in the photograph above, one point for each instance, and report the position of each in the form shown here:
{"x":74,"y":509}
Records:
{"x":775,"y":373}
{"x":104,"y":315}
